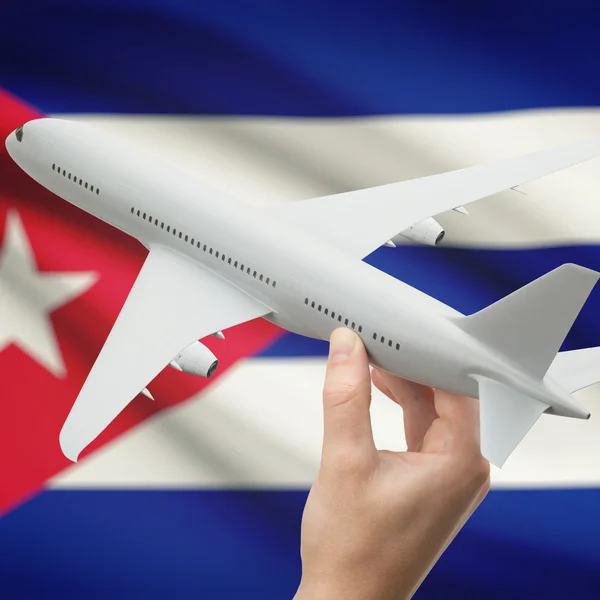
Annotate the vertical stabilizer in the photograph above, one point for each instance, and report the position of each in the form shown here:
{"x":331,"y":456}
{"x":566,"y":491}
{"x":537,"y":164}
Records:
{"x":530,"y":324}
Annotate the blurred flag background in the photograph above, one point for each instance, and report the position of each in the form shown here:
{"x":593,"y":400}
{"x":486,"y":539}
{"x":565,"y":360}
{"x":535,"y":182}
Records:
{"x":200,"y":494}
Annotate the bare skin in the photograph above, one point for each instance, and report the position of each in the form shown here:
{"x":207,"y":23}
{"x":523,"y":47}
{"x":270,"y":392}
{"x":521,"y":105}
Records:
{"x":376,"y":521}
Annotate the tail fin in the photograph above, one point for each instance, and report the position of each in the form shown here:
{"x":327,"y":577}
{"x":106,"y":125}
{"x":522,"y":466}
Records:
{"x":530,"y":324}
{"x":576,"y":369}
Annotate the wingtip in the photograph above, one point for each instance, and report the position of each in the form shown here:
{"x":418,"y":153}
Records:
{"x":496,"y":461}
{"x":70,"y":449}
{"x":575,"y":268}
{"x":70,"y":453}
{"x":74,"y":458}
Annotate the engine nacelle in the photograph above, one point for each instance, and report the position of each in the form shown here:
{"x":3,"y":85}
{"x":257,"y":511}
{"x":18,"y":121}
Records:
{"x":196,"y":359}
{"x":428,"y":232}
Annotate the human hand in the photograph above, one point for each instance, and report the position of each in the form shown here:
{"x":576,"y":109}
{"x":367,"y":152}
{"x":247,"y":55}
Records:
{"x":375,"y":522}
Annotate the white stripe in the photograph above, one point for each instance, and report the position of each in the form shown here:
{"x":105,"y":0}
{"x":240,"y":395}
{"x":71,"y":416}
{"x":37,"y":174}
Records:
{"x":259,"y":426}
{"x":267,"y":160}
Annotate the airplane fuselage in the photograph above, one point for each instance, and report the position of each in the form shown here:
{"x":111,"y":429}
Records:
{"x":310,"y":287}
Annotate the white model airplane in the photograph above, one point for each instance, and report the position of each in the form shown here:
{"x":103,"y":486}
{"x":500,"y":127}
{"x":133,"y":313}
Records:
{"x":215,"y":262}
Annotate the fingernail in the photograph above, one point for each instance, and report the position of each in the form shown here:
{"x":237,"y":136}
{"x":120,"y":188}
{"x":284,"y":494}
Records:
{"x":342,"y":344}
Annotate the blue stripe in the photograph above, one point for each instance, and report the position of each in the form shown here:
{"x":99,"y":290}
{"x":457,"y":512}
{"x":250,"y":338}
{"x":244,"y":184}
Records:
{"x":227,"y":544}
{"x":469,"y":280}
{"x":313,"y":58}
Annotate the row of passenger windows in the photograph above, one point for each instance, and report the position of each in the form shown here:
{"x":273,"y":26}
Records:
{"x":347,"y":322}
{"x":332,"y":314}
{"x":74,"y":179}
{"x":226,"y":259}
{"x":390,"y":343}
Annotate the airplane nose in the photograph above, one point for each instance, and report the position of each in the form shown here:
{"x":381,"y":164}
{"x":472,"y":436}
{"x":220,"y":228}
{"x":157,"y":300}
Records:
{"x":13,"y":143}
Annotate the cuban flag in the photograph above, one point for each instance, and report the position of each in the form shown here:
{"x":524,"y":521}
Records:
{"x":200,"y":494}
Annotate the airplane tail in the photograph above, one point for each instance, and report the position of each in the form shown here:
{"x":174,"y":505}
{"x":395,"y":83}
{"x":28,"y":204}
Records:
{"x":530,"y":325}
{"x":505,"y":416}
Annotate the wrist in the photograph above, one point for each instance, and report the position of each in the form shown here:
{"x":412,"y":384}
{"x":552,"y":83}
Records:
{"x":328,"y":589}
{"x":348,"y":588}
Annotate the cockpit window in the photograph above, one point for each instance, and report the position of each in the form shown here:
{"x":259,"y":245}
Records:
{"x":19,"y":134}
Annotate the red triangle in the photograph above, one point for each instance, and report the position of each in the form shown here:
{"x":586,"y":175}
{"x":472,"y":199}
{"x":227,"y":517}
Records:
{"x":34,"y":402}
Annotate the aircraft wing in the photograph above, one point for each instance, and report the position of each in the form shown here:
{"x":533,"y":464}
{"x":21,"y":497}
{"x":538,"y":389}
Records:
{"x":358,"y":222}
{"x":173,"y":303}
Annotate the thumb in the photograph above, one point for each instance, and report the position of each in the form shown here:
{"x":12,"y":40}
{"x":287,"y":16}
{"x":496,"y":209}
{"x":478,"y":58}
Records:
{"x":347,"y":398}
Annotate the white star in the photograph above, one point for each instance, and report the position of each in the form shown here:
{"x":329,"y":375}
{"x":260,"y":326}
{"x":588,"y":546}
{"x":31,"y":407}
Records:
{"x":28,"y":296}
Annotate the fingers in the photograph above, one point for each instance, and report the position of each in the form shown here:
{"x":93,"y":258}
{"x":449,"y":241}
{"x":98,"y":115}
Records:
{"x":347,"y":398}
{"x":417,"y":404}
{"x":434,"y":421}
{"x":457,"y":408}
{"x":458,"y":429}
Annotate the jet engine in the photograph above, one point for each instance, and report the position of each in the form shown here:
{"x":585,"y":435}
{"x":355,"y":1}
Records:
{"x":196,"y":359}
{"x":428,"y":232}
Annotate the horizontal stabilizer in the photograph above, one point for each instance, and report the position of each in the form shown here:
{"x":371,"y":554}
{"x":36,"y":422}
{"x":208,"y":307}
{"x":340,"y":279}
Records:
{"x":505,"y":417}
{"x":530,"y":324}
{"x":576,"y":369}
